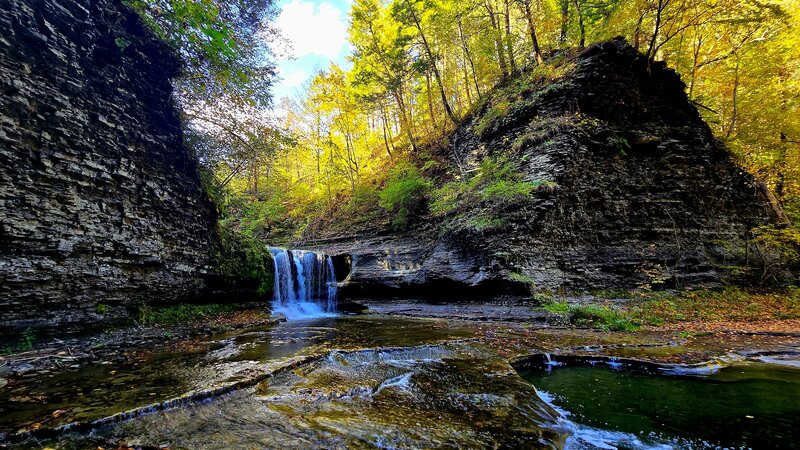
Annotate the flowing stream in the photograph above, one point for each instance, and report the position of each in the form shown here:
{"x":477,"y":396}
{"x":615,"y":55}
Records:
{"x":305,"y":284}
{"x":386,"y":382}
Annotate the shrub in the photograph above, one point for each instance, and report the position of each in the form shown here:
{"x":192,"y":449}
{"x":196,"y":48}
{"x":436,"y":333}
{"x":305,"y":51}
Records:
{"x":244,"y":257}
{"x":602,"y":317}
{"x":447,"y":198}
{"x":178,"y":314}
{"x":23,"y":344}
{"x":404,"y":194}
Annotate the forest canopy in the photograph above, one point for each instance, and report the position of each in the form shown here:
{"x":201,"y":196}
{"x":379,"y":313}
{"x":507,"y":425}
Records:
{"x":355,"y":138}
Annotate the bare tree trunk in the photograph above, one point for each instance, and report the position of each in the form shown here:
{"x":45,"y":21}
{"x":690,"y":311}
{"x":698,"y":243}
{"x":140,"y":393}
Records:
{"x":651,"y":49}
{"x":498,"y":39}
{"x":637,"y":32}
{"x":509,"y":38}
{"x":562,"y":37}
{"x":405,"y":125}
{"x":735,"y":100}
{"x":430,"y":99}
{"x":581,"y":26}
{"x":468,"y":56}
{"x":695,"y":59}
{"x":432,"y":60}
{"x":537,"y":52}
{"x":387,"y":133}
{"x":465,"y":73}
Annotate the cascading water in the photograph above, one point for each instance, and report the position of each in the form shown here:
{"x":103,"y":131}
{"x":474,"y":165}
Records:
{"x":305,"y":284}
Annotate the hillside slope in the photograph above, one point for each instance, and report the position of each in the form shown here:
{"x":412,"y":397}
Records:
{"x":592,"y":172}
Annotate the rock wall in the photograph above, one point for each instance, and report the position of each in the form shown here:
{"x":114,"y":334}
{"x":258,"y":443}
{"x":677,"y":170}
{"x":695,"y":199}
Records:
{"x":101,"y":205}
{"x":636,"y":193}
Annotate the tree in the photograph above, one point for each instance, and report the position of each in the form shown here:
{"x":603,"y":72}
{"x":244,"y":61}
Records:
{"x":223,"y":45}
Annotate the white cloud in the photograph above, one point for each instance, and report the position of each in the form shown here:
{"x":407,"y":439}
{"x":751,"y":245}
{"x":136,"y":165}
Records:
{"x":314,"y":29}
{"x":293,"y":78}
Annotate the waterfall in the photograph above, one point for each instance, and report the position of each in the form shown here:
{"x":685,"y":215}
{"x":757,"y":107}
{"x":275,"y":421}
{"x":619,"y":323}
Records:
{"x":305,"y":284}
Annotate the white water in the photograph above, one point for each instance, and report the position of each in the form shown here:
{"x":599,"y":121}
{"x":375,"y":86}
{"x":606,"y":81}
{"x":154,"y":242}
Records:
{"x":305,"y":284}
{"x":587,"y":437}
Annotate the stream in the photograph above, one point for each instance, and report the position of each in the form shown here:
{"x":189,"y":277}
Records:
{"x":390,"y":382}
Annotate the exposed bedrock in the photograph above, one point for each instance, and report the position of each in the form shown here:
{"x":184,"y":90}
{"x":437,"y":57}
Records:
{"x":636,"y":193}
{"x":101,"y":205}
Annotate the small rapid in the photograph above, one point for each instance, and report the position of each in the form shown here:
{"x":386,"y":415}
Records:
{"x":305,"y":284}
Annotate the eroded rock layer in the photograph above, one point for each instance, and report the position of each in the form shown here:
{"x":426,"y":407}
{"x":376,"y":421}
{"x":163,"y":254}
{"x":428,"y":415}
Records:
{"x":101,"y":205}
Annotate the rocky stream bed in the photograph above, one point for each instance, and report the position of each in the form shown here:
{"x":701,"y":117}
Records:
{"x":386,"y":381}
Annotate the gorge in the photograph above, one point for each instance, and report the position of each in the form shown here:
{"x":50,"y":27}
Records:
{"x":519,"y":256}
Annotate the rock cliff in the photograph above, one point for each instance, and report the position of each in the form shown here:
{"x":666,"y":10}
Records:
{"x":633,"y":191}
{"x":101,"y":205}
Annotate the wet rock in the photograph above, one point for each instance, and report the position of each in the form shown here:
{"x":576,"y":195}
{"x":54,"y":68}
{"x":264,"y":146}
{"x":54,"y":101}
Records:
{"x":22,"y":369}
{"x":351,"y":307}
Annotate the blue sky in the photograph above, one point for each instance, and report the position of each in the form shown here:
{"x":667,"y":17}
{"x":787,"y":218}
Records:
{"x":317,"y":33}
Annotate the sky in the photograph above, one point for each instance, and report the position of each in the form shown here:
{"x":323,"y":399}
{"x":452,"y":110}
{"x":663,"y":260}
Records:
{"x":317,"y":34}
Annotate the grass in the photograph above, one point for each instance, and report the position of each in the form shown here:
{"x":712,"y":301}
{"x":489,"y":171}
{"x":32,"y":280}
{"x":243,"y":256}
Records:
{"x":24,"y":343}
{"x":730,"y":304}
{"x":605,"y":318}
{"x":179,"y":314}
{"x":658,"y":309}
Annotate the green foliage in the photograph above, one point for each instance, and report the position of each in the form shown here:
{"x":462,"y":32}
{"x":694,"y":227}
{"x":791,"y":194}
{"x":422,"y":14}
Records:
{"x":242,"y":256}
{"x":498,"y":182}
{"x":663,"y":308}
{"x":603,"y":317}
{"x":363,"y":202}
{"x":561,"y":308}
{"x":222,"y":44}
{"x":621,"y":144}
{"x":729,"y":304}
{"x":523,"y":279}
{"x":777,"y":250}
{"x":180,"y":314}
{"x":404,"y":194}
{"x":102,"y":308}
{"x":24,"y":343}
{"x":791,"y":206}
{"x":482,"y":223}
{"x":122,"y":43}
{"x":495,"y":112}
{"x":446,"y":198}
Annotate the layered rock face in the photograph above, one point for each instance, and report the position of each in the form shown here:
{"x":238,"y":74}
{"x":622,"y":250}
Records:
{"x":635,"y":192}
{"x":100,"y":202}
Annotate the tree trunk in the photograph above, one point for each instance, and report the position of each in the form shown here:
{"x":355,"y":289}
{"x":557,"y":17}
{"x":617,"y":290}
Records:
{"x":468,"y":56}
{"x":436,"y":74}
{"x":430,"y":99}
{"x":537,"y":52}
{"x":581,"y":26}
{"x":387,"y":133}
{"x":509,"y":38}
{"x":498,"y":39}
{"x":562,"y":37}
{"x":735,"y":100}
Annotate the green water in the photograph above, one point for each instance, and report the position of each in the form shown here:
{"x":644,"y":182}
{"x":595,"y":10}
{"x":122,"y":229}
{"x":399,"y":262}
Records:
{"x":750,"y":406}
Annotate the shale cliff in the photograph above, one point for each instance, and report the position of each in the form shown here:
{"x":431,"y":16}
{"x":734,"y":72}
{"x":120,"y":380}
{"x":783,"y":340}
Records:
{"x":627,"y":188}
{"x":101,"y":205}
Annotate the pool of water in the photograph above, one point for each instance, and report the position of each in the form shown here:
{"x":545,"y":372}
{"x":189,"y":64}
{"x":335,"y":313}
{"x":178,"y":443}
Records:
{"x":747,"y":406}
